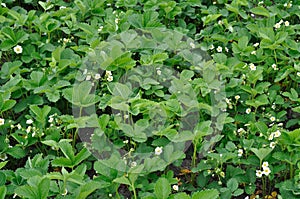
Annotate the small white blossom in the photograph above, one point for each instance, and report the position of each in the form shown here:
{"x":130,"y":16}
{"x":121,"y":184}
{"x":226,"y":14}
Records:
{"x":110,"y":78}
{"x":28,"y":129}
{"x":266,"y":171}
{"x":211,"y":47}
{"x":230,"y":28}
{"x":237,"y":97}
{"x":65,"y":192}
{"x":133,"y":164}
{"x":158,"y":150}
{"x":220,"y":22}
{"x":272,"y":145}
{"x":256,"y":44}
{"x":88,"y":77}
{"x":226,"y":49}
{"x":222,"y":174}
{"x":219,"y":49}
{"x":1,"y":121}
{"x":240,"y":152}
{"x":298,"y":74}
{"x":108,"y":73}
{"x":18,"y":49}
{"x":125,"y":141}
{"x":261,"y":2}
{"x":175,"y":187}
{"x":258,"y":173}
{"x":3,"y":5}
{"x":277,"y":25}
{"x":253,"y":52}
{"x":248,"y":110}
{"x":192,"y":45}
{"x":265,"y":164}
{"x":271,"y":136}
{"x":274,"y":66}
{"x":272,"y":118}
{"x":50,"y":120}
{"x":29,"y":121}
{"x":252,"y":66}
{"x":158,"y":72}
{"x":97,"y":76}
{"x":277,"y":134}
{"x":19,"y":126}
{"x":117,"y":20}
{"x":100,"y":28}
{"x":286,"y":23}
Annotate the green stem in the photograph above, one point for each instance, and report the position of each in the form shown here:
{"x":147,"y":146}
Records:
{"x":134,"y":191}
{"x":291,"y":171}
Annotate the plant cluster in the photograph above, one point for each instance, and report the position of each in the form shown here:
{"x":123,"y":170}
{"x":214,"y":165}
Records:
{"x":149,"y":99}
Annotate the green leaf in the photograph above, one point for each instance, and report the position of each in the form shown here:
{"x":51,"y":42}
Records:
{"x":162,"y":188}
{"x":122,"y":180}
{"x":260,"y":11}
{"x":261,"y":153}
{"x":2,"y":192}
{"x":67,"y":150}
{"x":232,"y":184}
{"x":87,"y":189}
{"x":82,"y":155}
{"x":2,"y":179}
{"x":207,"y":194}
{"x":262,"y":127}
{"x":182,"y":196}
{"x":122,"y":90}
{"x":16,"y":152}
{"x":2,"y":164}
{"x":43,"y":188}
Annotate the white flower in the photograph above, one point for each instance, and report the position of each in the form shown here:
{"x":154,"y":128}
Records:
{"x":227,"y":101}
{"x":298,"y":74}
{"x":230,"y":28}
{"x":265,"y":164}
{"x":88,"y":77}
{"x":252,"y":66}
{"x":240,"y":152}
{"x":258,"y":173}
{"x":110,"y":78}
{"x":29,"y":121}
{"x":266,"y":171}
{"x":277,"y":25}
{"x":125,"y":141}
{"x":261,"y":2}
{"x":18,"y":49}
{"x":133,"y":164}
{"x":220,"y":22}
{"x":192,"y":45}
{"x":175,"y":187}
{"x":3,"y":5}
{"x":62,"y":7}
{"x":110,"y":195}
{"x":219,"y":49}
{"x":248,"y":110}
{"x":211,"y":47}
{"x":247,"y":197}
{"x":286,"y":23}
{"x":28,"y":129}
{"x":277,"y":134}
{"x":50,"y":119}
{"x":97,"y":76}
{"x":2,"y":121}
{"x":226,"y":49}
{"x":253,"y":52}
{"x":237,"y":97}
{"x":100,"y":28}
{"x":256,"y":44}
{"x":272,"y":118}
{"x":117,"y":20}
{"x":271,"y":136}
{"x":274,"y":66}
{"x":158,"y":72}
{"x":158,"y":150}
{"x":272,"y":145}
{"x":108,"y":73}
{"x":273,"y":106}
{"x":19,"y":126}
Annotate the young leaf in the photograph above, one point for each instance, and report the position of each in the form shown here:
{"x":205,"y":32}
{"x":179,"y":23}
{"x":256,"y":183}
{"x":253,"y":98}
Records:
{"x":211,"y":194}
{"x":162,"y":188}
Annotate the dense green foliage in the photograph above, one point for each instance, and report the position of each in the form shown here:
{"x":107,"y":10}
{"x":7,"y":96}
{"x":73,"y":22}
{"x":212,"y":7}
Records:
{"x":149,"y":99}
